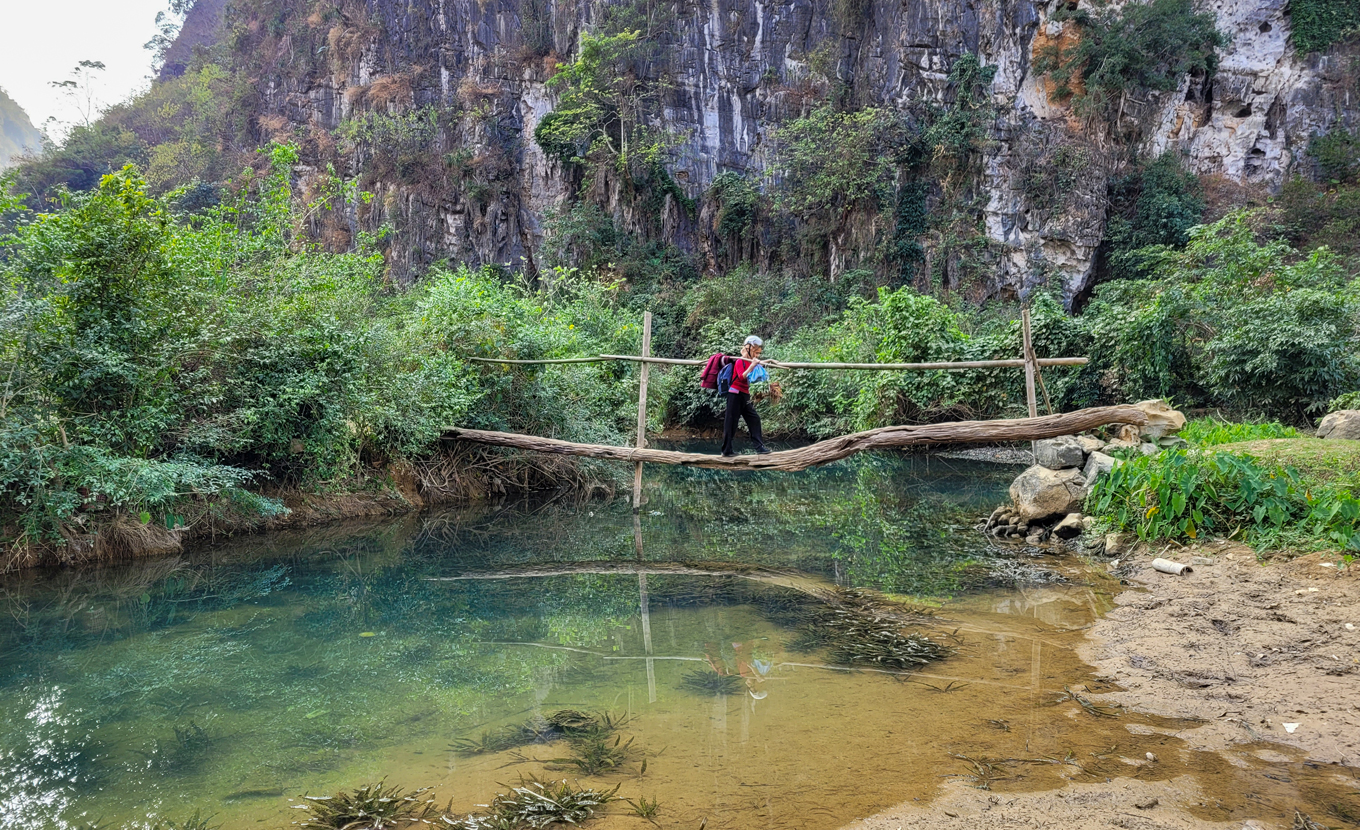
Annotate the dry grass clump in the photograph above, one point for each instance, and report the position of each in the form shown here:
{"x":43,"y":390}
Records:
{"x":461,"y":472}
{"x":389,"y":91}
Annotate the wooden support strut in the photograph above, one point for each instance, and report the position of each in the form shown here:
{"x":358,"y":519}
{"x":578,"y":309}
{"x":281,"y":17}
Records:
{"x":832,"y":449}
{"x":642,"y":407}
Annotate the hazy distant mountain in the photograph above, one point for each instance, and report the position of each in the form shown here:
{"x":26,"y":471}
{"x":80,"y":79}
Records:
{"x":18,"y":136}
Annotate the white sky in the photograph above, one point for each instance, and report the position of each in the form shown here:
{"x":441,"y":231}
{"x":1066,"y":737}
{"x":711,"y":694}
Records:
{"x":45,"y":39}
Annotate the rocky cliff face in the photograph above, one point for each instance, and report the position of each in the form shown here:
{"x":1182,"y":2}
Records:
{"x":18,"y":136}
{"x":740,"y":68}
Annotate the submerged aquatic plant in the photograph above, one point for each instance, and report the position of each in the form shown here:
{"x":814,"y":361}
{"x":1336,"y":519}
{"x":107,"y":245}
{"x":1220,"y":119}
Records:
{"x":564,"y":723}
{"x":535,"y":730}
{"x":594,"y":754}
{"x":982,"y":772}
{"x":644,"y":808}
{"x":536,"y":804}
{"x":1090,"y":706}
{"x":196,"y":821}
{"x":859,"y":626}
{"x":370,"y":807}
{"x":712,"y":683}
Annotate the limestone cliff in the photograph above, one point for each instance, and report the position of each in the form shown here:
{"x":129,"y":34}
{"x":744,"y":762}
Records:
{"x":736,"y":70}
{"x":18,"y":136}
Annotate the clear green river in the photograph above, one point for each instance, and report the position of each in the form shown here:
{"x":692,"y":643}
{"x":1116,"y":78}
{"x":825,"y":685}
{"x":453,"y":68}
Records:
{"x":238,"y":678}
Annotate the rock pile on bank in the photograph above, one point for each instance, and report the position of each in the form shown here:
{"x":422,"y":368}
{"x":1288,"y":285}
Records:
{"x":1046,"y":499}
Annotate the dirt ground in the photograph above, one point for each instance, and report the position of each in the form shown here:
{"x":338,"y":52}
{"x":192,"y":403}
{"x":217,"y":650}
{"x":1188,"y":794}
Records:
{"x":1257,"y":652}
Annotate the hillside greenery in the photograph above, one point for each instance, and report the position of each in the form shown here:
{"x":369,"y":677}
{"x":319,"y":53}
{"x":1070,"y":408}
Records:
{"x":165,"y":365}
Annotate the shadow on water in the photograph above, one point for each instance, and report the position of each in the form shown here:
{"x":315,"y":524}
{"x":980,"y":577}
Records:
{"x":735,"y":628}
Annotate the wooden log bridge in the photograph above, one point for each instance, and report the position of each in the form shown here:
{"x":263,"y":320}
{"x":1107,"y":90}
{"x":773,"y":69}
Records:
{"x":832,"y":449}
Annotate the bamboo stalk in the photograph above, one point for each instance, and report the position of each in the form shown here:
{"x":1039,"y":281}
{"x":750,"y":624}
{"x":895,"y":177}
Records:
{"x":642,"y":407}
{"x":832,"y":449}
{"x":599,"y":359}
{"x":1029,"y":364}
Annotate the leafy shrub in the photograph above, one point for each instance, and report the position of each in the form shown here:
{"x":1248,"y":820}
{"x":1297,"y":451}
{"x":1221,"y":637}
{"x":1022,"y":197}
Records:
{"x":1317,"y":24}
{"x":832,"y":161}
{"x":737,"y":201}
{"x":1337,"y":153}
{"x":156,"y":365}
{"x":1350,"y":400}
{"x":1207,"y":432}
{"x":1189,"y":494}
{"x":1229,"y":321}
{"x":1155,"y":205}
{"x":1309,"y":216}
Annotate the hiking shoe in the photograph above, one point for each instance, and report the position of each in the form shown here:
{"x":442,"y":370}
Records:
{"x":729,"y":455}
{"x":764,"y":451}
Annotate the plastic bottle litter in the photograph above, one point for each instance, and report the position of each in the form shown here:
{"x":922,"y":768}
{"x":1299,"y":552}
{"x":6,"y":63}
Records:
{"x":1166,"y":566}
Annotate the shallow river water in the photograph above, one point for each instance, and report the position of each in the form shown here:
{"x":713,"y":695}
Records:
{"x":242,"y":677}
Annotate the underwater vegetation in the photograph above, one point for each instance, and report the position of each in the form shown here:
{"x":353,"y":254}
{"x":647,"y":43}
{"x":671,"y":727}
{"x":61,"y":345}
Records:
{"x":195,"y":821}
{"x":710,"y":682}
{"x":531,"y":805}
{"x":645,"y":808}
{"x":595,"y":754}
{"x":564,"y":723}
{"x":370,"y":807}
{"x":860,"y":627}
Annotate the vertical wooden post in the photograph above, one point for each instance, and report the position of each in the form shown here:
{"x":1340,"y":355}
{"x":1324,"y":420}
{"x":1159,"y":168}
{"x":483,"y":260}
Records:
{"x":1030,"y":364}
{"x":642,"y":408}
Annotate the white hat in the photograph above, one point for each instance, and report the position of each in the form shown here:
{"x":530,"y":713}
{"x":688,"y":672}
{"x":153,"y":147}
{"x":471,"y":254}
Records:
{"x":754,"y":341}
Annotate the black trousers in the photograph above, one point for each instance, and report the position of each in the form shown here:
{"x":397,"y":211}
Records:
{"x":739,"y":406}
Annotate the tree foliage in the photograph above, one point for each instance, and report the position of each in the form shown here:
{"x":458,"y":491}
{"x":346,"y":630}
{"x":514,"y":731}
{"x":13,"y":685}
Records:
{"x":155,"y":363}
{"x":1317,"y":24}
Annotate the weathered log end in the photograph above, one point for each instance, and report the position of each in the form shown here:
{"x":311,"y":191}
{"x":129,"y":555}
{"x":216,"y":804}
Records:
{"x":832,"y":449}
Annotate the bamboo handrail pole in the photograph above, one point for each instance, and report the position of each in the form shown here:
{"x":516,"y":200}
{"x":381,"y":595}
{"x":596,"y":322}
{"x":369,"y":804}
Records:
{"x":962,"y":364}
{"x":832,"y":449}
{"x":597,"y":359}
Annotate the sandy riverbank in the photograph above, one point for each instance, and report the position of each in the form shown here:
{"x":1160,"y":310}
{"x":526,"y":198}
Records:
{"x":1259,"y":655}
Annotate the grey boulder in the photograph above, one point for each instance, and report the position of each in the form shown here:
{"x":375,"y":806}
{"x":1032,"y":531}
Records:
{"x":1039,"y":492}
{"x":1059,"y":453}
{"x":1070,"y":527}
{"x":1343,"y":425}
{"x":1090,"y":443}
{"x":1097,"y":465}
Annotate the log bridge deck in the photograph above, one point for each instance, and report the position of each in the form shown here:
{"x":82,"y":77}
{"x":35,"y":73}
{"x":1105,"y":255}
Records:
{"x":832,"y":449}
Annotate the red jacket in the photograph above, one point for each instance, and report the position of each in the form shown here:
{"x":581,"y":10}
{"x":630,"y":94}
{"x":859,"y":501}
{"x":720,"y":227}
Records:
{"x":708,"y":377}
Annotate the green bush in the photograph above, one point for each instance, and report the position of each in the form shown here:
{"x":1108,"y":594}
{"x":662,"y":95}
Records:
{"x":1309,"y":216}
{"x":1337,"y":153}
{"x":1317,"y":24}
{"x":1207,"y":432}
{"x":1192,"y":494}
{"x":1157,"y":204}
{"x":1231,"y":322}
{"x":156,"y":364}
{"x":1350,"y":400}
